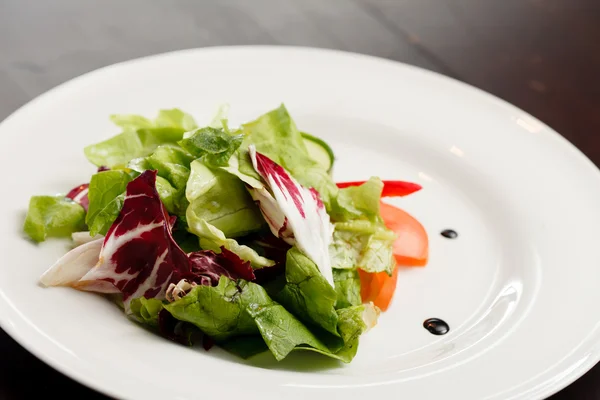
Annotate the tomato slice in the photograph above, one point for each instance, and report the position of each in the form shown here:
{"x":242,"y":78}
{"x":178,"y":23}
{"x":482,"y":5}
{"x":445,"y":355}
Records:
{"x":411,"y":248}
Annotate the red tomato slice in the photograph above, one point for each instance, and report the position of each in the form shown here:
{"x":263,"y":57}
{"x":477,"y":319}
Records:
{"x":411,"y":248}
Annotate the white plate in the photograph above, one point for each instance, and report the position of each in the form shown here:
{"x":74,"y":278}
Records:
{"x":518,"y":287}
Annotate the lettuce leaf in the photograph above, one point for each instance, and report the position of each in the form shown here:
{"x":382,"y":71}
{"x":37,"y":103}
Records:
{"x":359,"y":202}
{"x":168,"y":194}
{"x":212,"y":238}
{"x":140,"y":137}
{"x":175,"y":118}
{"x":146,"y":310}
{"x":282,"y":332}
{"x":221,"y":200}
{"x":245,"y":346}
{"x":362,"y":244}
{"x":151,"y":312}
{"x":105,"y":217}
{"x":347,"y":287}
{"x":213,"y":145}
{"x":353,"y":322}
{"x":106,"y":194}
{"x":306,"y":293}
{"x":173,"y":167}
{"x":360,"y":238}
{"x":172,"y":163}
{"x":236,"y":311}
{"x":220,"y":311}
{"x":53,"y":216}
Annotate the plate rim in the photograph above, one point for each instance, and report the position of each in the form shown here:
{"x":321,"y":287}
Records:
{"x":34,"y":346}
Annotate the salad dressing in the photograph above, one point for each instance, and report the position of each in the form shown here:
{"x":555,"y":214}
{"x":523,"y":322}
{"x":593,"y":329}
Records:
{"x":436,"y":326}
{"x":449,"y":234}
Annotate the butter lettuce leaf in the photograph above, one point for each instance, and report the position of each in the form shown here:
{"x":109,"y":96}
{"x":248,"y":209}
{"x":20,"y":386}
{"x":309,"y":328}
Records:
{"x":306,"y":293}
{"x":106,"y":216}
{"x":211,"y":238}
{"x":362,"y":244}
{"x":53,"y":216}
{"x":106,"y":195}
{"x":220,"y":311}
{"x":214,"y":146}
{"x":245,"y":346}
{"x":140,"y":137}
{"x":146,"y":310}
{"x":220,"y":199}
{"x":235,"y":311}
{"x":175,"y":118}
{"x":172,"y":165}
{"x":347,"y":287}
{"x":359,"y":202}
{"x":360,"y":238}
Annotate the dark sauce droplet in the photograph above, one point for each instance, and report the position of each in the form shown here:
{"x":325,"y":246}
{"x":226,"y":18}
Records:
{"x":449,"y":233}
{"x":436,"y":326}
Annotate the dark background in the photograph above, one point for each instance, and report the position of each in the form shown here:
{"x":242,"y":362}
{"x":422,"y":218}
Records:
{"x":541,"y":55}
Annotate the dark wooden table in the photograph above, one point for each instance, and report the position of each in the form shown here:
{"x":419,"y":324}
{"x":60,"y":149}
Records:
{"x":541,"y":55}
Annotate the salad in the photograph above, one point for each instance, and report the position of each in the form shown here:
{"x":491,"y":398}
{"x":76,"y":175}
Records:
{"x":231,"y":236}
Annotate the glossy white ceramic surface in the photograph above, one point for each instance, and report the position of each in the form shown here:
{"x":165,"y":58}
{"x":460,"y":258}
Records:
{"x":518,"y":286}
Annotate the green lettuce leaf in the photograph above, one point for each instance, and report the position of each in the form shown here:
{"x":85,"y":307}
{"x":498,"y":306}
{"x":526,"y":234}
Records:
{"x":53,"y":216}
{"x":175,"y":118}
{"x":171,"y":163}
{"x":359,"y":202}
{"x":245,"y":346}
{"x":221,"y":200}
{"x":361,"y":239}
{"x":220,"y":311}
{"x":353,"y":322}
{"x":168,"y":194}
{"x":106,"y":195}
{"x":170,"y":197}
{"x":283,"y":333}
{"x":212,"y":238}
{"x":173,"y":166}
{"x":347,"y":287}
{"x":146,"y":310}
{"x":234,"y":312}
{"x":214,"y":146}
{"x":362,"y":244}
{"x":140,"y":137}
{"x":306,"y":293}
{"x":105,"y":217}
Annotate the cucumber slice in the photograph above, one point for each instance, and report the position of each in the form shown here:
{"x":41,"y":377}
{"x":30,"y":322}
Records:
{"x":319,"y":151}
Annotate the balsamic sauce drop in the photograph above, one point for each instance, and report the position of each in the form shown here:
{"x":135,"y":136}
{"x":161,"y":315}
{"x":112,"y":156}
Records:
{"x":436,"y":326}
{"x":449,"y":233}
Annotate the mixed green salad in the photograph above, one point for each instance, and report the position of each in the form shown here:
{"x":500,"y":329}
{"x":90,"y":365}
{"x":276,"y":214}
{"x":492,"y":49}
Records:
{"x":221,"y":235}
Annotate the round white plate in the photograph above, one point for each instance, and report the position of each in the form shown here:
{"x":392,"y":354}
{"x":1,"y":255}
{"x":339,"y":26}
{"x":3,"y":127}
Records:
{"x":518,"y":286}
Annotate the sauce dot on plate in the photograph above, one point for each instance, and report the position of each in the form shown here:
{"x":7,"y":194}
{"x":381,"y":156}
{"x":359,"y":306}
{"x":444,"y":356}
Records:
{"x":449,"y":233}
{"x":436,"y":326}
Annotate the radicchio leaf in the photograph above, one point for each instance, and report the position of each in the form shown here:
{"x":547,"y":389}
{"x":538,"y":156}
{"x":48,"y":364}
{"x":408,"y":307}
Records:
{"x":139,"y":255}
{"x":71,"y":267}
{"x":305,"y":221}
{"x":79,"y":195}
{"x":207,"y":263}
